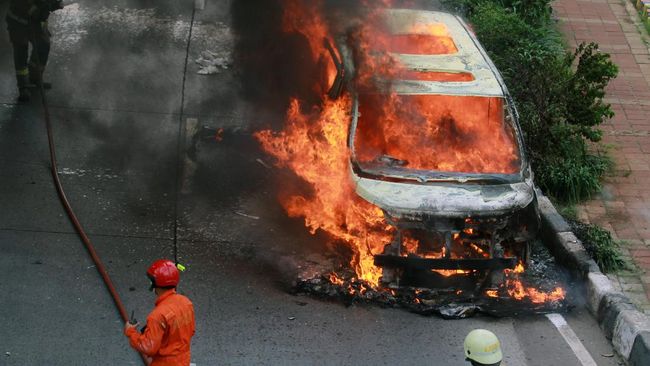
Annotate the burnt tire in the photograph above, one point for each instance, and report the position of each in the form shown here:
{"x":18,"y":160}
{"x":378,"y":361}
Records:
{"x":524,"y":253}
{"x":496,"y":278}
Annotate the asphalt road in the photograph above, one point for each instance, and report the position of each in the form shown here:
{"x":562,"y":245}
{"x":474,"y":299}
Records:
{"x":134,"y":129}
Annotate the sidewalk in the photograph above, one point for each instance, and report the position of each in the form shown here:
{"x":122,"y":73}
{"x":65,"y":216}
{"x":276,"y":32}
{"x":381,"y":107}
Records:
{"x":623,"y":207}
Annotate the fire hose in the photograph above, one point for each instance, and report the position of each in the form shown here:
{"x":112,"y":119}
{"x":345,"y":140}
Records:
{"x":73,"y":218}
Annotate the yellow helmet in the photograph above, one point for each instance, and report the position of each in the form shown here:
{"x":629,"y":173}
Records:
{"x":483,"y":346}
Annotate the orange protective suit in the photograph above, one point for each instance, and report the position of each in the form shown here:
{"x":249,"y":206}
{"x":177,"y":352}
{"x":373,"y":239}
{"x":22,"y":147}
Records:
{"x":170,"y":328}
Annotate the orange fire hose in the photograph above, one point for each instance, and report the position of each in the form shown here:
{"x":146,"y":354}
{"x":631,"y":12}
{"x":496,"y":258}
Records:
{"x":73,"y":218}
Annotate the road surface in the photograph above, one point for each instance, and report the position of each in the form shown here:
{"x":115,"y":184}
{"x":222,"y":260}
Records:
{"x":135,"y":136}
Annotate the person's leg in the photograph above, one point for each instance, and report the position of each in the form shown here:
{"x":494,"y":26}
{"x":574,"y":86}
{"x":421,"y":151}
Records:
{"x":40,"y":52}
{"x":20,"y":44}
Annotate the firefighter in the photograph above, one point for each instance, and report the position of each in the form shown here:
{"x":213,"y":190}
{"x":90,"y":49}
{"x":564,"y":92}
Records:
{"x":482,"y":348}
{"x":170,"y":326}
{"x":27,"y":24}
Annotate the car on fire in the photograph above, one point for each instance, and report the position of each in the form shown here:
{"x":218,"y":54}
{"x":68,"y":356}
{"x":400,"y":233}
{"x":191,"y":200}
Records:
{"x":435,"y":142}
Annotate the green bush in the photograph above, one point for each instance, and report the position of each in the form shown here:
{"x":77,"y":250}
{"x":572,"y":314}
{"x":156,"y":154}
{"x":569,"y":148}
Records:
{"x":586,"y":88}
{"x":599,"y":244}
{"x":558,"y":94}
{"x":567,"y":171}
{"x":531,"y":11}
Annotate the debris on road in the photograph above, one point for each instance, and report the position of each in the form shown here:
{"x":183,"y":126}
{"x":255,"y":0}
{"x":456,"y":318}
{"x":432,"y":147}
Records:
{"x":218,"y":136}
{"x":212,"y":63}
{"x":456,"y":300}
{"x":263,"y":163}
{"x":246,"y":215}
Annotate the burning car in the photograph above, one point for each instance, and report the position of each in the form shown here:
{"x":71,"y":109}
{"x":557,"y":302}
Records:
{"x":435,"y":142}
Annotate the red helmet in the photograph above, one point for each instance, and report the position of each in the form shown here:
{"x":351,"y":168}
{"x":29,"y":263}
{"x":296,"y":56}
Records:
{"x":163,"y":273}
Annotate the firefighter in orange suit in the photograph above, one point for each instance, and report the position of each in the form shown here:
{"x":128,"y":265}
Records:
{"x":170,"y":326}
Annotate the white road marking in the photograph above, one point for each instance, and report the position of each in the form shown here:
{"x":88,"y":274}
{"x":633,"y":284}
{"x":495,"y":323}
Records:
{"x":571,"y":339}
{"x":191,"y":126}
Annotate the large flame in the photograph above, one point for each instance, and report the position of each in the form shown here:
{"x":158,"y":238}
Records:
{"x":307,"y":20}
{"x":514,"y":287}
{"x":436,"y":132}
{"x":421,"y":39}
{"x":313,"y":145}
{"x":449,"y":135}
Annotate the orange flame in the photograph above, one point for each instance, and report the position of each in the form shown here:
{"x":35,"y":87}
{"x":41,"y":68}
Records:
{"x":480,"y":251}
{"x":519,"y":268}
{"x":335,"y":280}
{"x":436,"y":132}
{"x":434,"y":76}
{"x":517,"y":290}
{"x":427,"y":132}
{"x":313,"y":145}
{"x":410,"y":245}
{"x":421,"y":39}
{"x":451,"y":272}
{"x":298,"y":18}
{"x":307,"y":20}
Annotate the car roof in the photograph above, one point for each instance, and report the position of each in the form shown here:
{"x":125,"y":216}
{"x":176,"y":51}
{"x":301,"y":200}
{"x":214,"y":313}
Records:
{"x":470,"y":58}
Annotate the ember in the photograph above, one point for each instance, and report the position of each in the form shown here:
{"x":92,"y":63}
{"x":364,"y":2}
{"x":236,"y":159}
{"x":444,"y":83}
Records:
{"x":442,"y":133}
{"x":447,"y":303}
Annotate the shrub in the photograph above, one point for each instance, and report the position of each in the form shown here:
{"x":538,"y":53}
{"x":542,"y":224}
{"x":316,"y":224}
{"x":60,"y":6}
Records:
{"x":599,"y":244}
{"x":558,"y":93}
{"x":531,"y":11}
{"x":559,"y":96}
{"x":586,"y":88}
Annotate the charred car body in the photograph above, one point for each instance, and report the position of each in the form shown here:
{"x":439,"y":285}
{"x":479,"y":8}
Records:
{"x":436,"y":144}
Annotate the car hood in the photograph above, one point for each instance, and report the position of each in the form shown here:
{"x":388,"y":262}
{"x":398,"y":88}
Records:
{"x":444,"y":199}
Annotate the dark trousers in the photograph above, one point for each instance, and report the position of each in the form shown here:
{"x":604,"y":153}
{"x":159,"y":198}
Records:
{"x":22,"y":36}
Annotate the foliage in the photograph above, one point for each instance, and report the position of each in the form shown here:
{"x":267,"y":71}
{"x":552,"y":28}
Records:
{"x":559,"y":94}
{"x":531,"y":11}
{"x":567,"y":171}
{"x":586,"y":88}
{"x":569,"y":212}
{"x":599,"y":244}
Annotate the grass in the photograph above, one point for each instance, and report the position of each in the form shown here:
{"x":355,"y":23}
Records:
{"x":568,"y":211}
{"x":601,"y":246}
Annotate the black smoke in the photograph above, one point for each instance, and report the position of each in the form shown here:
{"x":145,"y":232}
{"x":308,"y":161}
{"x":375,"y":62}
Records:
{"x":274,"y":66}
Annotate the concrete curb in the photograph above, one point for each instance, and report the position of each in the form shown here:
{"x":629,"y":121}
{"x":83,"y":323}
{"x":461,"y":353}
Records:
{"x":620,"y":319}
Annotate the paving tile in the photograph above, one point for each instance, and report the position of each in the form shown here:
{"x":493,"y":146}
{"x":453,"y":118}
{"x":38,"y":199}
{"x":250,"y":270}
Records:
{"x":637,"y":288}
{"x":623,"y":206}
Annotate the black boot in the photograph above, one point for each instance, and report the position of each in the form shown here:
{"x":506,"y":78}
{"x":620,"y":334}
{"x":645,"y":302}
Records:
{"x":24,"y":95}
{"x":34,"y":84}
{"x":36,"y":75}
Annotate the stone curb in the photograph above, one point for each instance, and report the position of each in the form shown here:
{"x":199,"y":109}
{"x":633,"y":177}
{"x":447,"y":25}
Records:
{"x":623,"y":323}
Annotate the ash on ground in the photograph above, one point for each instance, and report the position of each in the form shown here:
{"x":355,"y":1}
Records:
{"x":513,"y":296}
